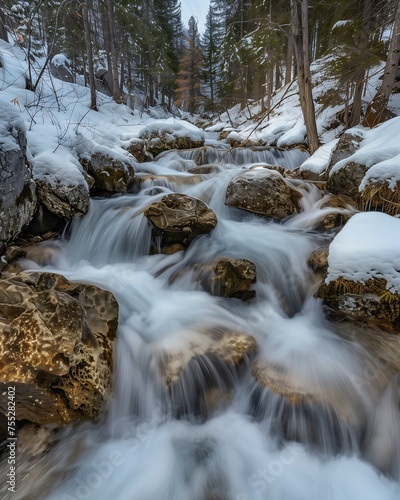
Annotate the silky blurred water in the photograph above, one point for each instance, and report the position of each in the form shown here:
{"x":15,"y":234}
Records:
{"x":219,"y":433}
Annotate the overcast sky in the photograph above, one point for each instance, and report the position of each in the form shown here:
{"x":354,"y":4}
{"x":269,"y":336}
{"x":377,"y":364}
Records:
{"x":196,"y":8}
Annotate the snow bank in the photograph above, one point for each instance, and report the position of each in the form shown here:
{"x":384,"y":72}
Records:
{"x":14,"y":70}
{"x":173,"y":127}
{"x":10,"y":123}
{"x":367,"y":247}
{"x":319,"y":161}
{"x":380,"y":152}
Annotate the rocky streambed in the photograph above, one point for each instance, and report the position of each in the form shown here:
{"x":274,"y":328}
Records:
{"x":179,"y":301}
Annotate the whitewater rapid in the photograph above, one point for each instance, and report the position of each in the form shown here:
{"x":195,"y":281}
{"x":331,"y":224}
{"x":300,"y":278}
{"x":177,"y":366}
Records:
{"x":219,"y":434}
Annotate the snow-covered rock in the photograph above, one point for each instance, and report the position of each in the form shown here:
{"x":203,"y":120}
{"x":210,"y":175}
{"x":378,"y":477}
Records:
{"x":363,"y":279}
{"x":17,"y":190}
{"x":171,"y":134}
{"x":369,"y":169}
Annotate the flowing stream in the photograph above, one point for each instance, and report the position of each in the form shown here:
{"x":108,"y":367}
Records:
{"x":300,"y":418}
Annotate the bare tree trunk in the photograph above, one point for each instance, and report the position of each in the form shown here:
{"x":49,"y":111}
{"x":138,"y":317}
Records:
{"x":89,"y":53}
{"x":355,"y":115}
{"x":377,"y":109}
{"x":3,"y":31}
{"x":301,"y":46}
{"x":113,"y":51}
{"x":289,"y":57}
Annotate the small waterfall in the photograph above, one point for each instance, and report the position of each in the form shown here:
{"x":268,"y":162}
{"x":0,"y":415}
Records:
{"x":288,"y":159}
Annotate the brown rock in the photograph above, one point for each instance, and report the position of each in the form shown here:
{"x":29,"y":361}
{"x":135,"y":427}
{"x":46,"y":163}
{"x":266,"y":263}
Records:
{"x":263,"y":192}
{"x":179,"y":219}
{"x":231,"y":278}
{"x":109,"y":175}
{"x":63,"y":200}
{"x":347,"y":179}
{"x":56,"y":342}
{"x":318,"y":260}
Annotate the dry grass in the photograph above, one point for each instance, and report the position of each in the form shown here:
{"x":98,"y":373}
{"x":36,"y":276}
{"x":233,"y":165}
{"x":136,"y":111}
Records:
{"x":379,"y":196}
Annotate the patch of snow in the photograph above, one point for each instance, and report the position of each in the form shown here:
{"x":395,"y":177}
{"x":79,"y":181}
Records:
{"x":296,"y":135}
{"x":319,"y":161}
{"x":10,"y":123}
{"x":367,"y":247}
{"x":14,"y":67}
{"x":60,"y":60}
{"x":340,"y":24}
{"x":58,"y":167}
{"x":218,"y":127}
{"x":379,"y":151}
{"x":177,"y":128}
{"x":235,"y":136}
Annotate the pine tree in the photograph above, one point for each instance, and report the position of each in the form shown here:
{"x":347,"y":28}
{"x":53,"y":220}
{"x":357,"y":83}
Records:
{"x":212,"y":43}
{"x":188,"y":95}
{"x":377,"y":109}
{"x":168,"y":15}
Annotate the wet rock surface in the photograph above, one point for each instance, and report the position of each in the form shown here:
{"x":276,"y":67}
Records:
{"x":56,"y":347}
{"x":63,"y":200}
{"x":231,"y":278}
{"x":179,"y":219}
{"x":263,"y":192}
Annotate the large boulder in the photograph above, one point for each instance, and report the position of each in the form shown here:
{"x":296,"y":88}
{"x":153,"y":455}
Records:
{"x":17,"y":189}
{"x":60,"y":68}
{"x":263,"y":192}
{"x":109,"y":175}
{"x":178,"y":219}
{"x":56,"y":347}
{"x":346,"y":180}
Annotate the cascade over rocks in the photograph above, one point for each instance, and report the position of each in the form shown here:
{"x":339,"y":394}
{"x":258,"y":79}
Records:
{"x":343,"y":207}
{"x":17,"y":189}
{"x":109,"y":175}
{"x":56,"y":347}
{"x":263,"y":192}
{"x":177,"y":220}
{"x":318,"y":410}
{"x":226,"y":352}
